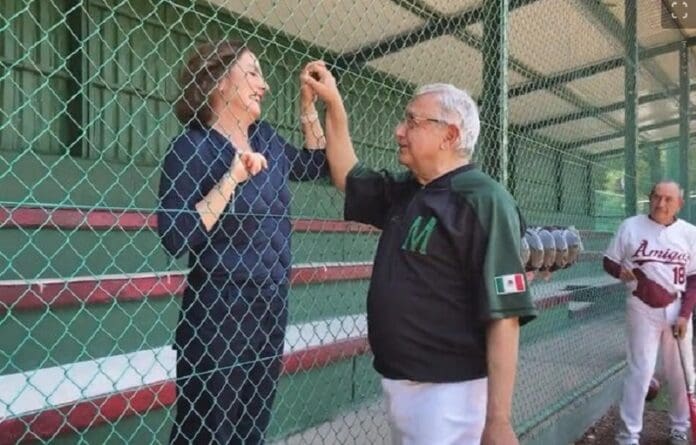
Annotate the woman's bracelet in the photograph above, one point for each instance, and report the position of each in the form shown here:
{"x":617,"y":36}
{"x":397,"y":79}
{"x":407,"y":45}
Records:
{"x":308,"y":118}
{"x":228,"y":177}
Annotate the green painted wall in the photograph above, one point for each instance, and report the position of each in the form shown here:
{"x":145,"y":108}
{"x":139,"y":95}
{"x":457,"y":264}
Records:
{"x":550,"y":185}
{"x":41,"y":339}
{"x":303,"y":399}
{"x":30,"y":254}
{"x":44,"y":338}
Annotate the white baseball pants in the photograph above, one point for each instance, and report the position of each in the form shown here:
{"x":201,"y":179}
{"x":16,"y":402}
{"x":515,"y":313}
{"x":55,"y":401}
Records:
{"x":436,"y":413}
{"x":649,"y":330}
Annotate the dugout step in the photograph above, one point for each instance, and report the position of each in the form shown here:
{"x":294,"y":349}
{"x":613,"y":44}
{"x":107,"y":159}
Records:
{"x":580,"y":309}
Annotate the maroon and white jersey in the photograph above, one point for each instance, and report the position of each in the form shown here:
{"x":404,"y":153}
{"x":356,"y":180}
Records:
{"x":665,"y":254}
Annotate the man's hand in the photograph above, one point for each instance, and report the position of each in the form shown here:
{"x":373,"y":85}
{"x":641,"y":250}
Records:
{"x":679,"y":328}
{"x":498,"y":432}
{"x":626,"y":275}
{"x":317,"y":77}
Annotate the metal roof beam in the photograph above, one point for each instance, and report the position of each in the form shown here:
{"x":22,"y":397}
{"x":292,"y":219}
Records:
{"x":596,"y":68}
{"x":595,"y":111}
{"x":618,"y":151}
{"x":560,"y":91}
{"x":618,"y":134}
{"x":436,"y":25}
{"x":600,"y":12}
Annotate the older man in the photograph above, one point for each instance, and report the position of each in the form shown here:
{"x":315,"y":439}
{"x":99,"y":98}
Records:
{"x":655,"y":255}
{"x":448,"y":289}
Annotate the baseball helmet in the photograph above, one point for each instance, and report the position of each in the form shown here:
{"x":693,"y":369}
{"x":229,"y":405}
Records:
{"x":575,"y":247}
{"x":549,"y":248}
{"x":524,"y":251}
{"x":561,"y":249}
{"x":536,"y":250}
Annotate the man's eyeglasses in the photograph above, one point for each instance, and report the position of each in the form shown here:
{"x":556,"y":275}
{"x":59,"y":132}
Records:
{"x":412,"y":121}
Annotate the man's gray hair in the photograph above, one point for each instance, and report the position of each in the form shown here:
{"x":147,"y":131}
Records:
{"x":670,"y":182}
{"x":458,"y":108}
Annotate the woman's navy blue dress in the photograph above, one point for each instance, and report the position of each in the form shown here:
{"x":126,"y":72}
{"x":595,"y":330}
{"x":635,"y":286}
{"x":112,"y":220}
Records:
{"x":229,"y":338}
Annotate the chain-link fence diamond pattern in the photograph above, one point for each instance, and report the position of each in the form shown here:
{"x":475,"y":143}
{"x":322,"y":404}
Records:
{"x":90,"y":301}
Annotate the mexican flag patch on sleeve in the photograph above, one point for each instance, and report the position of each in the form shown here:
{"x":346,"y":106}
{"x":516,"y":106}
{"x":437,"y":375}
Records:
{"x":510,"y":284}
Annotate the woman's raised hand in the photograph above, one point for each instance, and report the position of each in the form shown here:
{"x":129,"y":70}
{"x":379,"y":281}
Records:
{"x":247,"y":165}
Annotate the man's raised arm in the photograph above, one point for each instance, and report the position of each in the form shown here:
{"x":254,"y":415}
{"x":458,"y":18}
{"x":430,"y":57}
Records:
{"x":339,"y":147}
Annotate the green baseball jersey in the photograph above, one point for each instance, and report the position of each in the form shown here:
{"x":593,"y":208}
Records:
{"x":447,"y":263}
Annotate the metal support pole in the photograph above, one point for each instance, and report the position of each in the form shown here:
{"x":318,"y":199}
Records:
{"x":494,"y":98}
{"x":631,"y":138}
{"x":684,"y":128}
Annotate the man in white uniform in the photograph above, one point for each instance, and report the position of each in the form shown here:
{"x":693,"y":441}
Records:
{"x":655,"y":255}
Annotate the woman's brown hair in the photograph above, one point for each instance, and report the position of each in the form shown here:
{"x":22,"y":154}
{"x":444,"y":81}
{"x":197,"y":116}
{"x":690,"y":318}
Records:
{"x":201,"y":75}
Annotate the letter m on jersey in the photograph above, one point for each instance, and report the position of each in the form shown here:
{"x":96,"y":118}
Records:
{"x":419,"y":234}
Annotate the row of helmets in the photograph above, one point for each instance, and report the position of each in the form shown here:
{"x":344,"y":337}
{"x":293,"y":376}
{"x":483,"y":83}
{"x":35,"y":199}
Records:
{"x":550,"y":248}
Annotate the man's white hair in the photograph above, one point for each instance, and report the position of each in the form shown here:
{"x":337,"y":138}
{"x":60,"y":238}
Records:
{"x":458,"y":108}
{"x":667,"y":182}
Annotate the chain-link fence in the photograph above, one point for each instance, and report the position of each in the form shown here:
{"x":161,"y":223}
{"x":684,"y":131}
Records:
{"x":89,"y":299}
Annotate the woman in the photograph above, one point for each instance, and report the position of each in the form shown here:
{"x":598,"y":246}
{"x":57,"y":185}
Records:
{"x":224,"y":200}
